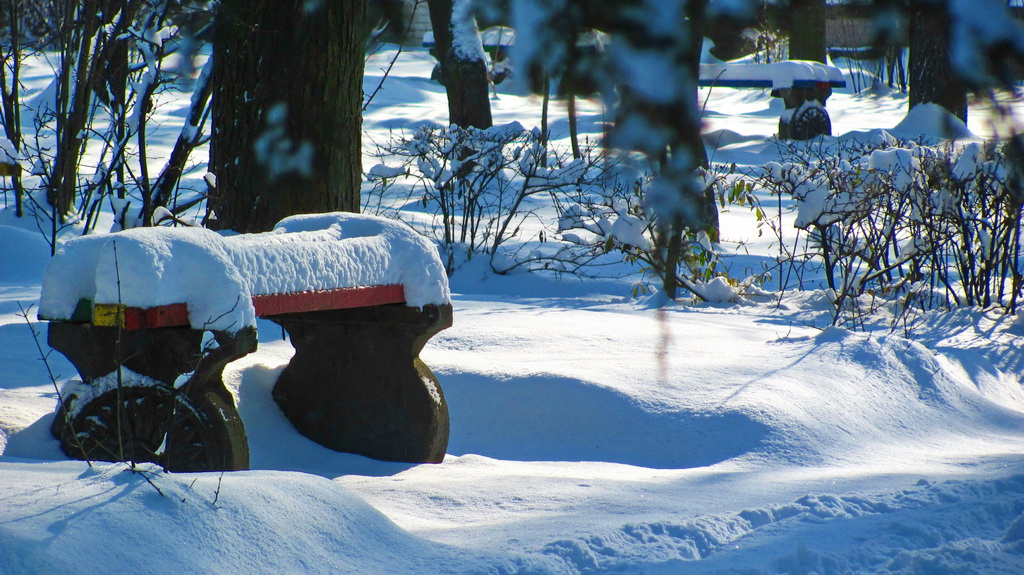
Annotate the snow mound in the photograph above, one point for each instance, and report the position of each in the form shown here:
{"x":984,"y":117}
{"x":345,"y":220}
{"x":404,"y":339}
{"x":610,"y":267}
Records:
{"x":885,"y":397}
{"x":725,"y":137}
{"x":932,"y":121}
{"x":247,"y":522}
{"x":25,"y":259}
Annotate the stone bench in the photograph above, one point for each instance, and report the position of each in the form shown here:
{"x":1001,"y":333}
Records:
{"x":150,"y":318}
{"x":803,"y":86}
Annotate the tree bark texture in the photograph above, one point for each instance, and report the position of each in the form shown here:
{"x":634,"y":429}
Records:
{"x":932,"y":79}
{"x":807,"y":30}
{"x":464,"y":79}
{"x":292,"y":76}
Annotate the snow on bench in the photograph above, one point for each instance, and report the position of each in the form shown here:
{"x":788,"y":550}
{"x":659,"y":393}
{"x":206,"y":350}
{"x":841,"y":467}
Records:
{"x":776,"y":75}
{"x":161,"y":277}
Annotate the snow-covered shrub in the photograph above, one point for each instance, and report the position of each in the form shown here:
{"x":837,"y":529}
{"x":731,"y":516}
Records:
{"x":480,"y":187}
{"x":895,"y":221}
{"x":616,"y":218}
{"x":770,"y":45}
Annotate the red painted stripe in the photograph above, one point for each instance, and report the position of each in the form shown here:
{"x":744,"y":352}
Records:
{"x":173,"y":315}
{"x":343,"y":298}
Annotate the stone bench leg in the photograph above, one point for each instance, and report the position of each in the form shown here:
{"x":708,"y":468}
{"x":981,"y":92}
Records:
{"x":805,"y":116}
{"x":138,"y":413}
{"x":356,"y":383}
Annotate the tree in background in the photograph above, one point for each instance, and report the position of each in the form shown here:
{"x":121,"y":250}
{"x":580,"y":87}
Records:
{"x":932,"y":78}
{"x":10,"y":89}
{"x":956,"y":46}
{"x":287,"y":118}
{"x":807,"y":30}
{"x":463,"y":64}
{"x":648,"y":75}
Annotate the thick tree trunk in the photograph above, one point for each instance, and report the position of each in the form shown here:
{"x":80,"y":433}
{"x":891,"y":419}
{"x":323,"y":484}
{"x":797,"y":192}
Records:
{"x":706,"y":205}
{"x":286,"y":111}
{"x":463,"y":69}
{"x":696,"y":13}
{"x":807,"y":30}
{"x":931,"y":71}
{"x":701,"y":211}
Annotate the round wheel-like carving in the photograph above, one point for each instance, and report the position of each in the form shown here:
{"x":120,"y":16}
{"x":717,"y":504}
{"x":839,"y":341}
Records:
{"x":808,"y":121}
{"x":160,"y":425}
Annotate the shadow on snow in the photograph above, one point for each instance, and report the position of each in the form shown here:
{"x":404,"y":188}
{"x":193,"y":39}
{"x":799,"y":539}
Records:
{"x":548,"y":418}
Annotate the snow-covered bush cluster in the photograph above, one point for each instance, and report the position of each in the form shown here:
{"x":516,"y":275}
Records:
{"x":896,"y":221}
{"x":483,"y":188}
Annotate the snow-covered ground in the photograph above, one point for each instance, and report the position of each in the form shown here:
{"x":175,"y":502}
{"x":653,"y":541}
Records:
{"x":590,"y":433}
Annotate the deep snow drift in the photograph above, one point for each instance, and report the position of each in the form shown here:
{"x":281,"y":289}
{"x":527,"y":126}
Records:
{"x":590,"y":432}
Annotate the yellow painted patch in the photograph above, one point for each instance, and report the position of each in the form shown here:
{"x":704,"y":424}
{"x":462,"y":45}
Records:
{"x":108,"y":314}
